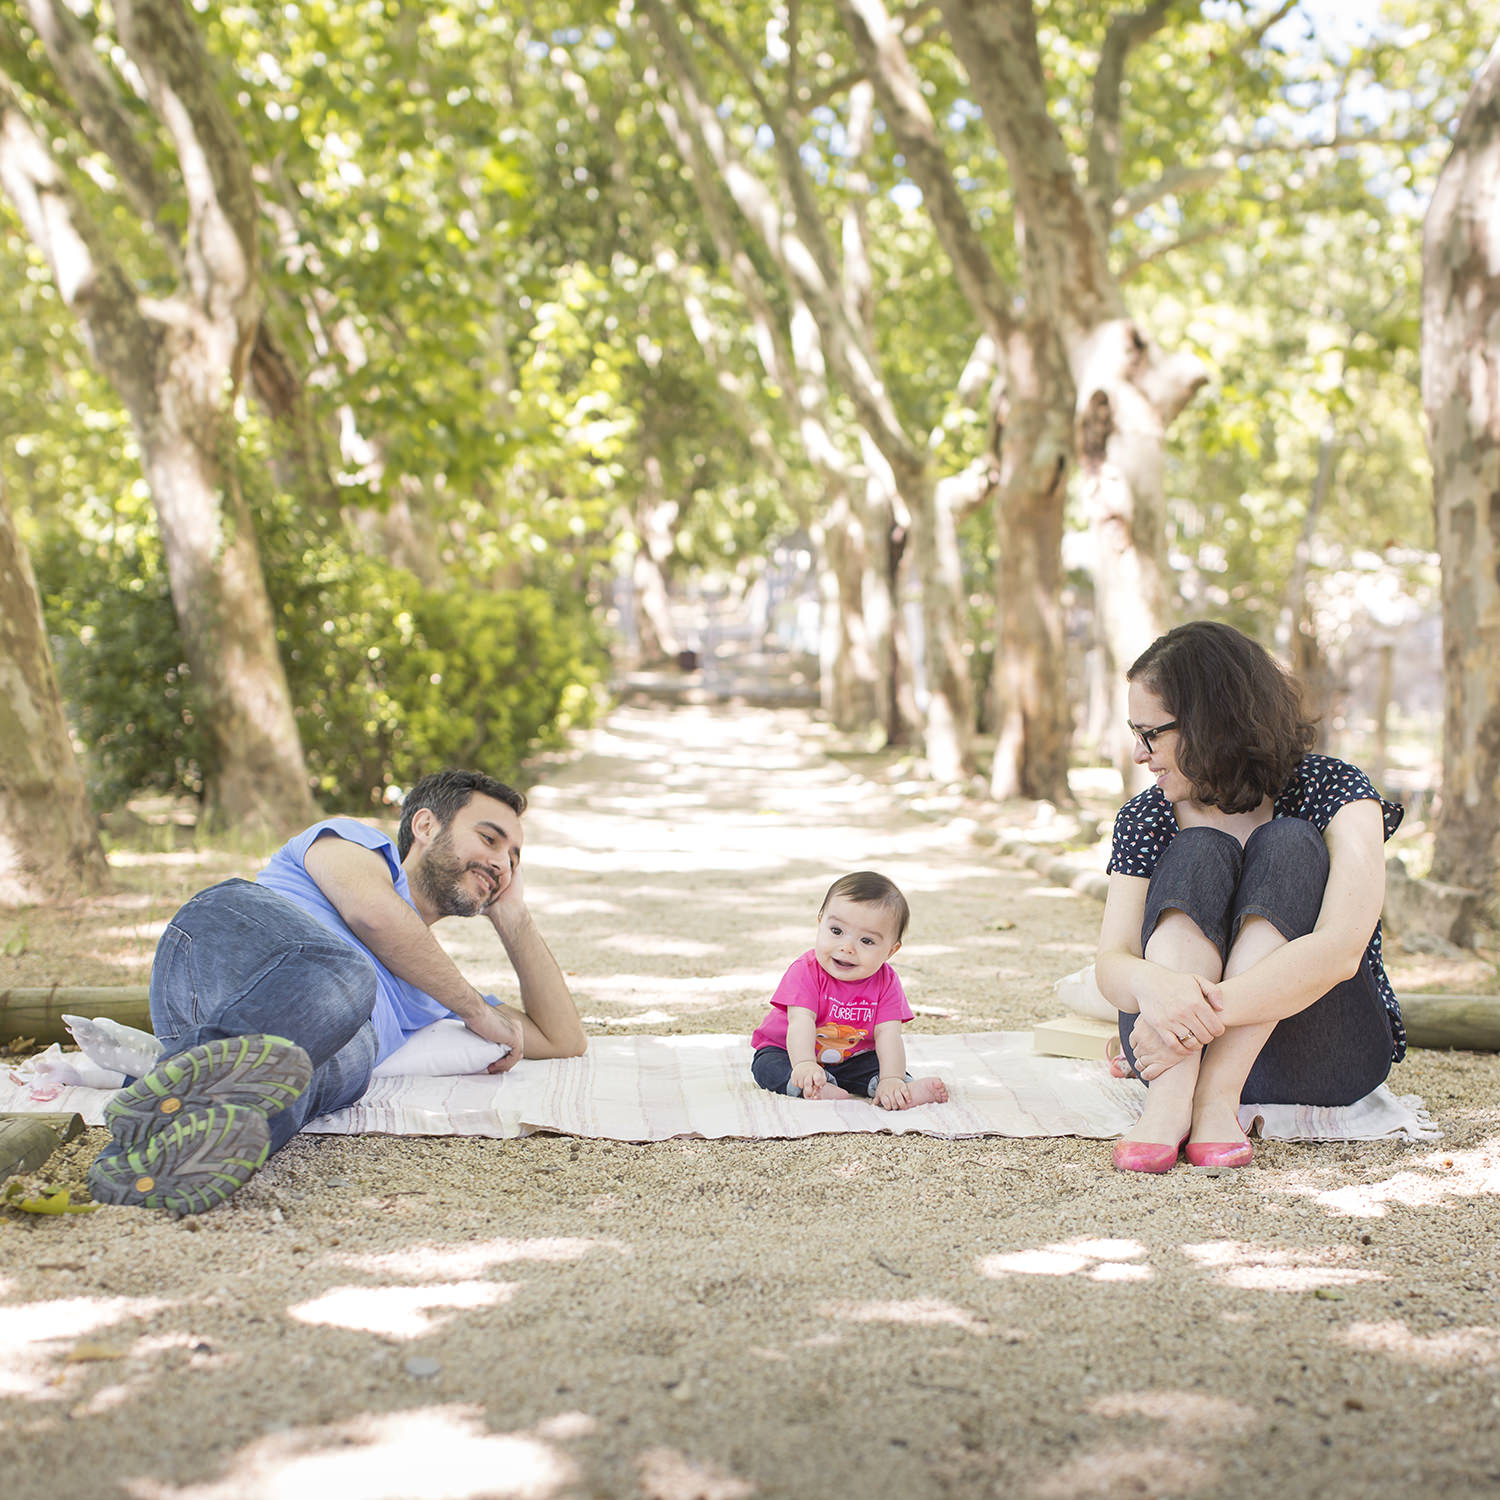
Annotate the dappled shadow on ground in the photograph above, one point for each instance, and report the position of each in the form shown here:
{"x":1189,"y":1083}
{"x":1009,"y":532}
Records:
{"x":379,"y":1319}
{"x":558,"y":1318}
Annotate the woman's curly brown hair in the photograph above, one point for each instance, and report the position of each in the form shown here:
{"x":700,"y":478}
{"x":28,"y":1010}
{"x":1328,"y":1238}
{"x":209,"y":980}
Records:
{"x":1241,"y":730}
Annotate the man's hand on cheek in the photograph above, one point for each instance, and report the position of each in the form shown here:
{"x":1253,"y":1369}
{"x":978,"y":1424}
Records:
{"x":511,"y":902}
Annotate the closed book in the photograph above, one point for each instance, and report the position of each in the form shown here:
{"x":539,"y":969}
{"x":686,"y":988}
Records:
{"x":1076,"y":1036}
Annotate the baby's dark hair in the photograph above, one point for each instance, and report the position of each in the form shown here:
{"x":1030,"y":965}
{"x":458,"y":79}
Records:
{"x":867,"y":887}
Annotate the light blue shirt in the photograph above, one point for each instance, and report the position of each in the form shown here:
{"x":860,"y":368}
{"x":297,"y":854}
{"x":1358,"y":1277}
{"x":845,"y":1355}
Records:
{"x":400,"y":1008}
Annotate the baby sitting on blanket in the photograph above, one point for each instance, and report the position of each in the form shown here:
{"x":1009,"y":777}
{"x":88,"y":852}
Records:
{"x":834,"y":1027}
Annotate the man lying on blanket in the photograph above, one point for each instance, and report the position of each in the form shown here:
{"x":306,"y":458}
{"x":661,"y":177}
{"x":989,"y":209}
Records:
{"x":275,"y":1000}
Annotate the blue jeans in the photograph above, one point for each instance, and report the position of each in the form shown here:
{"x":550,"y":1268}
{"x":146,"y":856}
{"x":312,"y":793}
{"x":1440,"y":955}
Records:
{"x":238,"y":960}
{"x":1339,"y":1048}
{"x":771,"y":1068}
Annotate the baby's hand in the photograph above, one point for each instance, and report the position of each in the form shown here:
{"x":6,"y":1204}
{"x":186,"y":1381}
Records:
{"x":810,"y":1078}
{"x":893,"y":1093}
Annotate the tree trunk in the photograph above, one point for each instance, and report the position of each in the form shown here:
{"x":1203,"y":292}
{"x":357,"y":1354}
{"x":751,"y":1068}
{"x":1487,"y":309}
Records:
{"x":1297,"y":627}
{"x":178,"y":361}
{"x":1031,"y":702}
{"x":1129,"y":392}
{"x":948,"y":717}
{"x":49,"y":845}
{"x":654,"y":515}
{"x":259,"y":780}
{"x":849,"y":680}
{"x":1460,"y":354}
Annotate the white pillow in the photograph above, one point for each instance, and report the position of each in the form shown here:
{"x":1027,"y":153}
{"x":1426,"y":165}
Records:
{"x":440,"y":1050}
{"x":1081,"y":995}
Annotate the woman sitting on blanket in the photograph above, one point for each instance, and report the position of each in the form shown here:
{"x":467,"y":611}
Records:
{"x":1241,"y":933}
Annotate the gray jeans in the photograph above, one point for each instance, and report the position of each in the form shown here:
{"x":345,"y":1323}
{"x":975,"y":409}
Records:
{"x":1339,"y":1048}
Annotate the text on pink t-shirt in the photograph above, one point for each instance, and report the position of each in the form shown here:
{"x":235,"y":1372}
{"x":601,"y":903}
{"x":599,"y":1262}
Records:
{"x":846,"y":1011}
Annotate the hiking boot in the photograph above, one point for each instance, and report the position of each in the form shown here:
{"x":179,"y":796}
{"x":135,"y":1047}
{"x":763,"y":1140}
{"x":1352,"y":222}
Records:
{"x":265,"y":1072}
{"x":191,"y":1161}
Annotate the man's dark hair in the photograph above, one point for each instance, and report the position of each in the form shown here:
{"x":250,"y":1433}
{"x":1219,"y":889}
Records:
{"x":1241,"y":729}
{"x":448,"y":792}
{"x":866,"y":886}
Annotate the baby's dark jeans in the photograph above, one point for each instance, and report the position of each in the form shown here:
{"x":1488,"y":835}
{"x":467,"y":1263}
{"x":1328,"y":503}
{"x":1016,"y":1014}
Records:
{"x":772,"y":1069}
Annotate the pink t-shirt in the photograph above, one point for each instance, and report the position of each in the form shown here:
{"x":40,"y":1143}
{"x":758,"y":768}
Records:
{"x":847,"y":1011}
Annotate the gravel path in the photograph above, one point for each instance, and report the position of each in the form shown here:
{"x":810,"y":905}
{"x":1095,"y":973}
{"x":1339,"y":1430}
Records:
{"x":546,"y":1317}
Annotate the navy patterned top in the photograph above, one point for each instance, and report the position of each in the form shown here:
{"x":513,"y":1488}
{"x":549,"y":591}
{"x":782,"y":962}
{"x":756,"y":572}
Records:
{"x":1319,"y":787}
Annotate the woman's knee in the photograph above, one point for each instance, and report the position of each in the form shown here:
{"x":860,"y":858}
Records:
{"x":1295,"y":836}
{"x":1209,"y":849}
{"x":1196,"y":876}
{"x":1285,"y":876}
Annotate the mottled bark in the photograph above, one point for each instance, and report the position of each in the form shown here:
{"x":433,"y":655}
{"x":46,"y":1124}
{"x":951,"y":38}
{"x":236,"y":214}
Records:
{"x":104,"y":117}
{"x":177,"y":361}
{"x":49,"y":844}
{"x":1033,"y":715}
{"x":1128,"y":393}
{"x":1127,"y":390}
{"x":1461,"y":394}
{"x":1029,"y":709}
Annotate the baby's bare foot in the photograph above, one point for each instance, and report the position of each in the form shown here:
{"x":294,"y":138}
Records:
{"x":927,"y":1091}
{"x":826,"y":1090}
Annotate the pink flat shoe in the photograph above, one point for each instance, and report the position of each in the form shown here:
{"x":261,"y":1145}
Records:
{"x":1219,"y":1153}
{"x":1145,"y":1156}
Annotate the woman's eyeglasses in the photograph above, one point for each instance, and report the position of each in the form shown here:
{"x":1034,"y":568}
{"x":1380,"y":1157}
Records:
{"x":1145,"y":736}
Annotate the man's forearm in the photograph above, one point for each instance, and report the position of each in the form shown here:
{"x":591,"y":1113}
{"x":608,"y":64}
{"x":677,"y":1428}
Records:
{"x":551,"y":1018}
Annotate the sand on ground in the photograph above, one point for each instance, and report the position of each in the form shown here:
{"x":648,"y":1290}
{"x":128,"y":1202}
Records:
{"x":886,"y":1317}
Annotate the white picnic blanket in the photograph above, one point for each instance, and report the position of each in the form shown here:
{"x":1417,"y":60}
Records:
{"x":652,"y":1088}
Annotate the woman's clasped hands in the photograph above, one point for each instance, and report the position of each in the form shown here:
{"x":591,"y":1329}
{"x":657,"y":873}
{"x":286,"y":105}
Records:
{"x":1177,"y":1020}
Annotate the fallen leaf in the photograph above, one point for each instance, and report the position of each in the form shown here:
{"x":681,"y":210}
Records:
{"x":47,"y":1200}
{"x":82,"y":1354}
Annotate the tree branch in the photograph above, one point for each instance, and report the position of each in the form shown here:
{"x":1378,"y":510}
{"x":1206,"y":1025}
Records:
{"x":910,"y":121}
{"x":967,"y":490}
{"x":779,"y":120}
{"x":87,"y":277}
{"x":222,"y":243}
{"x":1063,"y":249}
{"x":1257,"y":33}
{"x":788,"y":243}
{"x":1159,"y":252}
{"x":102,"y":115}
{"x":1190,"y":177}
{"x":1105,"y":143}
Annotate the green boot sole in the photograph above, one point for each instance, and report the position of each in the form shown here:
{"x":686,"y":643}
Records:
{"x":190,"y":1163}
{"x":265,"y":1072}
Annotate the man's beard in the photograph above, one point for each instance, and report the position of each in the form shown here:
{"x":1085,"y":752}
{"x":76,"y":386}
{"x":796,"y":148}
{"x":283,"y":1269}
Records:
{"x":440,"y":878}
